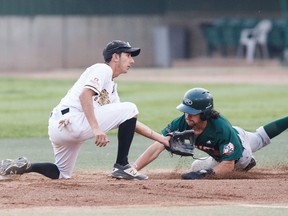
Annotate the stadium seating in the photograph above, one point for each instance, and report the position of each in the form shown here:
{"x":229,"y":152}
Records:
{"x":223,"y":35}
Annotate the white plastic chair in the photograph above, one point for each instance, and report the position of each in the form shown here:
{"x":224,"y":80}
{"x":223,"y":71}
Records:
{"x":251,"y":38}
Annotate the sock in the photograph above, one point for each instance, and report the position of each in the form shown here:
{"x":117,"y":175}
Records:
{"x":276,"y":127}
{"x":126,"y":132}
{"x":49,"y":170}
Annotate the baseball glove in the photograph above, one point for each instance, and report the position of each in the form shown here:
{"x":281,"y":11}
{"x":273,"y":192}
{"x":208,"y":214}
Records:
{"x":181,"y":143}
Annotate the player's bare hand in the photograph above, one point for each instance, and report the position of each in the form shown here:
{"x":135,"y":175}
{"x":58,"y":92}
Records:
{"x":101,"y":139}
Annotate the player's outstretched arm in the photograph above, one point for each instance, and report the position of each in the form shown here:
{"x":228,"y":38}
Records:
{"x":150,"y":154}
{"x":144,"y":130}
{"x":224,"y":167}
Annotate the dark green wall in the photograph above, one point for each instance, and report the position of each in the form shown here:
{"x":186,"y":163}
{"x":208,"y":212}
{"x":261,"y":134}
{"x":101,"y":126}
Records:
{"x":119,"y":7}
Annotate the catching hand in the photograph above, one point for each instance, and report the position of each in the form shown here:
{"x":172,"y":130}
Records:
{"x":182,"y":143}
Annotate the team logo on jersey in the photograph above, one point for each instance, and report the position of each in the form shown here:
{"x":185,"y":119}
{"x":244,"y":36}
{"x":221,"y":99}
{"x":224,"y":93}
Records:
{"x":103,"y":98}
{"x":228,"y":149}
{"x":95,"y":80}
{"x":93,"y":84}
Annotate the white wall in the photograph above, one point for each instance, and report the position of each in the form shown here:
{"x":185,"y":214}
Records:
{"x":49,"y":42}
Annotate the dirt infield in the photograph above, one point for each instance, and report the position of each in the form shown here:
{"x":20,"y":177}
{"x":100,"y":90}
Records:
{"x":266,"y":74}
{"x":162,"y":189}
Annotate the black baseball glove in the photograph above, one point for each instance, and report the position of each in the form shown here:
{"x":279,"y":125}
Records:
{"x":181,"y":143}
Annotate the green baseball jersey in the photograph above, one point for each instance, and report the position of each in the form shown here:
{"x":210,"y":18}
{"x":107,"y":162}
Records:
{"x":219,"y":139}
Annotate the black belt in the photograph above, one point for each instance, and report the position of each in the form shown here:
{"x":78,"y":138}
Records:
{"x":64,"y":111}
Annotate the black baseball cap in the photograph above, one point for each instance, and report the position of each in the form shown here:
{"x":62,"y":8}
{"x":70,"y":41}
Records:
{"x":118,"y":46}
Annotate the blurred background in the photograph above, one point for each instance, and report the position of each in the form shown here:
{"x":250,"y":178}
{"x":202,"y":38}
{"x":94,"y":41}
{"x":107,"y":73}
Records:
{"x":62,"y":34}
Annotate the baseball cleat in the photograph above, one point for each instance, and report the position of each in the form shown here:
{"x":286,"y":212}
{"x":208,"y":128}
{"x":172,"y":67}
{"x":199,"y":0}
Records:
{"x":14,"y":167}
{"x":127,"y":172}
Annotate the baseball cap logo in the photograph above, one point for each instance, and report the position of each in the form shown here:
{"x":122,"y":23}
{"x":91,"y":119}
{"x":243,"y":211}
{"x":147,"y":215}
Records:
{"x":188,"y":102}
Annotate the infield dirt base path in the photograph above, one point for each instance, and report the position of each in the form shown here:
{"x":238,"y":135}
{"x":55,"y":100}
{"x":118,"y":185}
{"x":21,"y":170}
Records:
{"x":217,"y":74}
{"x":164,"y":188}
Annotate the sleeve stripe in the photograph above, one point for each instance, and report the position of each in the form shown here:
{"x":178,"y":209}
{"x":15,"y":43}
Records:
{"x":93,"y":89}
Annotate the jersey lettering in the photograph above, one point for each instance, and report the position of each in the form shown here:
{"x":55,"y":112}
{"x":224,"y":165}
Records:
{"x":210,"y":151}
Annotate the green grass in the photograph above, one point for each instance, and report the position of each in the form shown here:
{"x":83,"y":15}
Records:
{"x":25,"y":106}
{"x":92,"y":158}
{"x":223,"y":210}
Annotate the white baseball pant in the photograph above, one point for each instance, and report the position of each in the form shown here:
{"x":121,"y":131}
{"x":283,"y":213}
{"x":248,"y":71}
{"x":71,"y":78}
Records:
{"x":69,"y":131}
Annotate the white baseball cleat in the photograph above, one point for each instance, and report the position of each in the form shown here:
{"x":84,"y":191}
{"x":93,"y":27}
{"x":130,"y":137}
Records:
{"x":127,"y":172}
{"x":14,"y":167}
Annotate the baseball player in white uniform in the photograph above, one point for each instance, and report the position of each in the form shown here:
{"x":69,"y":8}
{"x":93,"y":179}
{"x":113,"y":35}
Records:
{"x":90,"y":109}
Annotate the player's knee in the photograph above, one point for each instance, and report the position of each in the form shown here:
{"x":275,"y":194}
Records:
{"x":203,"y":163}
{"x":132,"y":108}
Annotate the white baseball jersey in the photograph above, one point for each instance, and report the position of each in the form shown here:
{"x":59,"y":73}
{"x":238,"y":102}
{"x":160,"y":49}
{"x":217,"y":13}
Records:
{"x":98,"y":78}
{"x":70,"y":129}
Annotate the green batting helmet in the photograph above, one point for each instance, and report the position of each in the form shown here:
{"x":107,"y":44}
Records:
{"x":197,"y":101}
